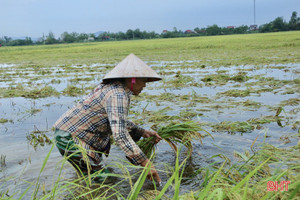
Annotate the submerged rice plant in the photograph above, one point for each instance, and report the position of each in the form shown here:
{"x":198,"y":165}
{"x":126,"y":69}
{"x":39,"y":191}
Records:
{"x":20,"y":91}
{"x":73,"y":91}
{"x":249,"y":178}
{"x":3,"y":120}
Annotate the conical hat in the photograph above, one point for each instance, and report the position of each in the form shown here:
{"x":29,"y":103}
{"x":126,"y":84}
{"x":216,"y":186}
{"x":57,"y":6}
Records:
{"x":132,"y":67}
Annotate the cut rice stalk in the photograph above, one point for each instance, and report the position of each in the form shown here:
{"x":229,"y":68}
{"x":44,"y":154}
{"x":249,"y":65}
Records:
{"x":174,"y":134}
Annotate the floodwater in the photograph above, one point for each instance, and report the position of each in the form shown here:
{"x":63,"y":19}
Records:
{"x":23,"y":161}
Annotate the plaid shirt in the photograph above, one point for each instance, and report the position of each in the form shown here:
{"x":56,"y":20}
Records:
{"x":101,"y":114}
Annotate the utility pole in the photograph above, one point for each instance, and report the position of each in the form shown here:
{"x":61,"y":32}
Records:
{"x":254,"y":14}
{"x":43,"y":39}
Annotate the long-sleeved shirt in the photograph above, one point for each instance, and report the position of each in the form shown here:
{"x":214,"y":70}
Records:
{"x":101,"y":114}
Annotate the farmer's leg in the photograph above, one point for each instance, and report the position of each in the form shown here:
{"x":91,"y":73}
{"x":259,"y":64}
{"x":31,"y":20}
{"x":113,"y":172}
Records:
{"x":68,"y":149}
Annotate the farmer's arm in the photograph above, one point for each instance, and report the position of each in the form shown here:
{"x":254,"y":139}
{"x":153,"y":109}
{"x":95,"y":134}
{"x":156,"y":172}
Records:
{"x":138,"y":132}
{"x":117,"y":109}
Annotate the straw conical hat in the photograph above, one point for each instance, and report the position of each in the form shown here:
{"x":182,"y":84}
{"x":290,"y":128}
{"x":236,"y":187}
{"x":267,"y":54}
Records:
{"x":132,"y":67}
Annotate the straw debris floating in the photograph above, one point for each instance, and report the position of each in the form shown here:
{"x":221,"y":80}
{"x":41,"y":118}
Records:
{"x":174,"y":134}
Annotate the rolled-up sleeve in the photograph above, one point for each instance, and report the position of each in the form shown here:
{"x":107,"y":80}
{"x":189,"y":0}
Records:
{"x":136,"y":132}
{"x":117,"y":109}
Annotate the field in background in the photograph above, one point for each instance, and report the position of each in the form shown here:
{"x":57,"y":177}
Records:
{"x":258,"y":49}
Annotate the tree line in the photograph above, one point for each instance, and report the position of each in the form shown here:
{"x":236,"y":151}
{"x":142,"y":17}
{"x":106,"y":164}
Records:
{"x":278,"y":24}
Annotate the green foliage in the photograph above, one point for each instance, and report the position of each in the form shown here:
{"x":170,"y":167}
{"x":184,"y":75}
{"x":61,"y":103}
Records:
{"x":222,"y":78}
{"x":245,"y":126}
{"x":50,"y":39}
{"x":38,"y":138}
{"x":233,"y":127}
{"x":2,"y":120}
{"x":235,"y":93}
{"x":20,"y":91}
{"x":294,"y":23}
{"x":174,"y":133}
{"x":72,"y":90}
{"x":248,"y":178}
{"x":280,"y":25}
{"x":245,"y":179}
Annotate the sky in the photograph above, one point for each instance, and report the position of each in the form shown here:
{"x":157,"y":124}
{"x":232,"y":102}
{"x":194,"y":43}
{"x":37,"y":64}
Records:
{"x":34,"y":18}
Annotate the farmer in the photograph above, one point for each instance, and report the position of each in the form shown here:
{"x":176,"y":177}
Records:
{"x":103,"y":113}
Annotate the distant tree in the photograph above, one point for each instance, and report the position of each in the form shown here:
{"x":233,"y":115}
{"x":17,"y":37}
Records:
{"x":227,"y":30}
{"x":152,"y":35}
{"x":2,"y":42}
{"x":28,"y":41}
{"x":213,"y":30}
{"x":265,"y":28}
{"x":294,"y":23}
{"x":197,"y":30}
{"x":144,"y":35}
{"x":130,"y":34}
{"x":122,"y":36}
{"x":7,"y":39}
{"x":82,"y":37}
{"x":75,"y":36}
{"x":169,"y":34}
{"x":112,"y":36}
{"x":92,"y":35}
{"x":279,"y":25}
{"x":175,"y":30}
{"x":68,"y":38}
{"x":106,"y":36}
{"x":17,"y":42}
{"x":241,"y":29}
{"x":50,"y":39}
{"x":137,"y":34}
{"x":20,"y":42}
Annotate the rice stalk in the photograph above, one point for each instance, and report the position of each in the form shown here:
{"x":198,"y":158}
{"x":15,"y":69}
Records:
{"x":174,"y":134}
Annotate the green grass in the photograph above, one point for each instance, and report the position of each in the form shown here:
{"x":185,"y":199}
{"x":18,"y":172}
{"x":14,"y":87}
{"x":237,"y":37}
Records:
{"x":245,"y":179}
{"x":212,"y":51}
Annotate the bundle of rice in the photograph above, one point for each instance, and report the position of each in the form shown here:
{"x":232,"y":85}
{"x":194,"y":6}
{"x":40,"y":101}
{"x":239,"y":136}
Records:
{"x":173,"y":134}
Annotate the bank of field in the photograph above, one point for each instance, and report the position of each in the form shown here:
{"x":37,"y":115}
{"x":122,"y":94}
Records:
{"x":258,"y":49}
{"x":237,"y":95}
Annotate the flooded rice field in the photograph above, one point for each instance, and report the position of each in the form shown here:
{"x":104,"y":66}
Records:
{"x":241,"y":106}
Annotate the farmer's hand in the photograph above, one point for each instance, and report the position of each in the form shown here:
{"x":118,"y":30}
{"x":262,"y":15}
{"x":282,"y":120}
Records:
{"x":149,"y":133}
{"x":152,"y":172}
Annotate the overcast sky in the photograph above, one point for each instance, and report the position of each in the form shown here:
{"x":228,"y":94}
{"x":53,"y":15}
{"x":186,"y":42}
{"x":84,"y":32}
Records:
{"x":37,"y":17}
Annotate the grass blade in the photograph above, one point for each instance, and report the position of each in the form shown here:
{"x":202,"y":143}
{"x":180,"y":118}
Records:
{"x":37,"y":185}
{"x":241,"y":183}
{"x":138,"y":185}
{"x":207,"y":188}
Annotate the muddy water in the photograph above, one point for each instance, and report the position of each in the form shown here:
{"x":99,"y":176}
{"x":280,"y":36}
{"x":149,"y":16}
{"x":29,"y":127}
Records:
{"x":23,"y":161}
